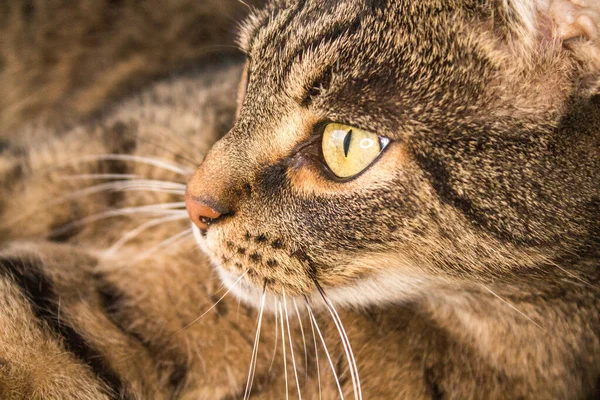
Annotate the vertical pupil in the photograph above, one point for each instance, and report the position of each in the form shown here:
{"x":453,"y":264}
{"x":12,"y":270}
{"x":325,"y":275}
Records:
{"x":347,"y":139}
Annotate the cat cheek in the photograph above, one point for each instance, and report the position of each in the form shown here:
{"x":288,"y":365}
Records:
{"x":308,"y":180}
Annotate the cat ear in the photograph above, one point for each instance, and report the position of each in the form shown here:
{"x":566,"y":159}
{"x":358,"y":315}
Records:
{"x":573,"y":25}
{"x":562,"y":20}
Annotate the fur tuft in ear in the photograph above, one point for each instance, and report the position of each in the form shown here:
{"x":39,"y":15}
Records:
{"x":575,"y":19}
{"x":561,"y":20}
{"x":573,"y":25}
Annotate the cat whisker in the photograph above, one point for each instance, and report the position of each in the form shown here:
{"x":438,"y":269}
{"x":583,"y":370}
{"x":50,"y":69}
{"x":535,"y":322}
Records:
{"x":244,"y":3}
{"x":237,"y":313}
{"x":152,"y":209}
{"x":316,"y":325}
{"x":165,"y":243}
{"x":211,"y":307}
{"x":155,"y":162}
{"x":141,"y":228}
{"x":312,"y":327}
{"x":287,"y":323}
{"x":118,"y":186}
{"x":511,"y":306}
{"x":81,"y":177}
{"x":276,"y":334}
{"x":153,"y":189}
{"x":283,"y":350}
{"x":123,"y":186}
{"x":303,"y":341}
{"x":175,"y":153}
{"x":139,"y":183}
{"x":107,"y":186}
{"x":572,"y":275}
{"x":345,"y":342}
{"x":253,"y":359}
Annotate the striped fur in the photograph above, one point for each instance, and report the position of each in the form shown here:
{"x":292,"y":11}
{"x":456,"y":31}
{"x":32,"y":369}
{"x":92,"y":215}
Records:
{"x":82,"y":318}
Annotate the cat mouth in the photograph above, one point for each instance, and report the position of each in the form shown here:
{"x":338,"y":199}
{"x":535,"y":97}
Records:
{"x":246,"y":290}
{"x":255,"y":264}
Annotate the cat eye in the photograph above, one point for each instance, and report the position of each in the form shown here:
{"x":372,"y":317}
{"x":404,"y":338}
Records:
{"x":348,"y":151}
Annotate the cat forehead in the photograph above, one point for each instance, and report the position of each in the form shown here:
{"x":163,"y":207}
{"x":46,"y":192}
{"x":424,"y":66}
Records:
{"x":393,"y":62}
{"x":388,"y":59}
{"x":309,"y":19}
{"x":360,"y":39}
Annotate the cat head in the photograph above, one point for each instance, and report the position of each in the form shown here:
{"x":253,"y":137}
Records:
{"x":383,"y":147}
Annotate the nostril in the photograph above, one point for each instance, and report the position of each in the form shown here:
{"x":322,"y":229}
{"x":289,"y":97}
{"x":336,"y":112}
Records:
{"x":201,"y":214}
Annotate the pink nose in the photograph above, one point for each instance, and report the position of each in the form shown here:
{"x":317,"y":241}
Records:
{"x":201,"y":214}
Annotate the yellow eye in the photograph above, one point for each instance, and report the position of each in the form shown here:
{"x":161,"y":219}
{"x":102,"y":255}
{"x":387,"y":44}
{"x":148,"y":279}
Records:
{"x":348,"y":151}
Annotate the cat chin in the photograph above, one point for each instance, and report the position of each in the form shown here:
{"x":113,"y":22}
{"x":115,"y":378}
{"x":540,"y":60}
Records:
{"x":383,"y":287}
{"x":380,"y":290}
{"x":249,"y":293}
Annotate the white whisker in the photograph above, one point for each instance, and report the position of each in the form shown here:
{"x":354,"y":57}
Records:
{"x":246,"y":4}
{"x":572,"y":275}
{"x":283,"y":350}
{"x":103,"y":187}
{"x":253,"y":359}
{"x":118,"y":186}
{"x":213,"y":306}
{"x":185,"y":150}
{"x":303,"y":341}
{"x":346,"y":344}
{"x":150,"y":183}
{"x":287,"y":322}
{"x":312,"y":327}
{"x":141,"y":228}
{"x":164,"y":243}
{"x":178,"y":192}
{"x":156,"y":162}
{"x":276,"y":334}
{"x":152,"y":209}
{"x":316,"y":325}
{"x":511,"y":306}
{"x":82,"y":177}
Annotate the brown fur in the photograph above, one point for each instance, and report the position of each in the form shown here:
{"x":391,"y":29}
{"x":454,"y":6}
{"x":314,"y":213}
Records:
{"x":61,"y":59}
{"x":477,"y":227}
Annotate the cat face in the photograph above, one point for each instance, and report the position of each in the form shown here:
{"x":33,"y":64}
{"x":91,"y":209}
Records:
{"x":383,"y":148}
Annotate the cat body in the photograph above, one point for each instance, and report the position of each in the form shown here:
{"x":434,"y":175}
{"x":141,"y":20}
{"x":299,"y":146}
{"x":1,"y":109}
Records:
{"x":463,"y":259}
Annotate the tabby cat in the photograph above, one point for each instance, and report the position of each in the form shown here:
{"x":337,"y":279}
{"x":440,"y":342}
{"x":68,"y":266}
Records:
{"x":403,"y":203}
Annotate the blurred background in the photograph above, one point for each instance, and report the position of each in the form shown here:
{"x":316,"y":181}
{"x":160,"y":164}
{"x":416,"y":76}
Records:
{"x":65,"y":59}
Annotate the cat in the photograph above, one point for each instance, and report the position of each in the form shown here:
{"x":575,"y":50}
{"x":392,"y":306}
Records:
{"x":406,"y":205}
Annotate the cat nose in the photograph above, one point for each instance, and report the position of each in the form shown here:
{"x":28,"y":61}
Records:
{"x":201,"y":214}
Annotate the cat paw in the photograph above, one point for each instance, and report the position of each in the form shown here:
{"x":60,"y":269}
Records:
{"x":576,"y":18}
